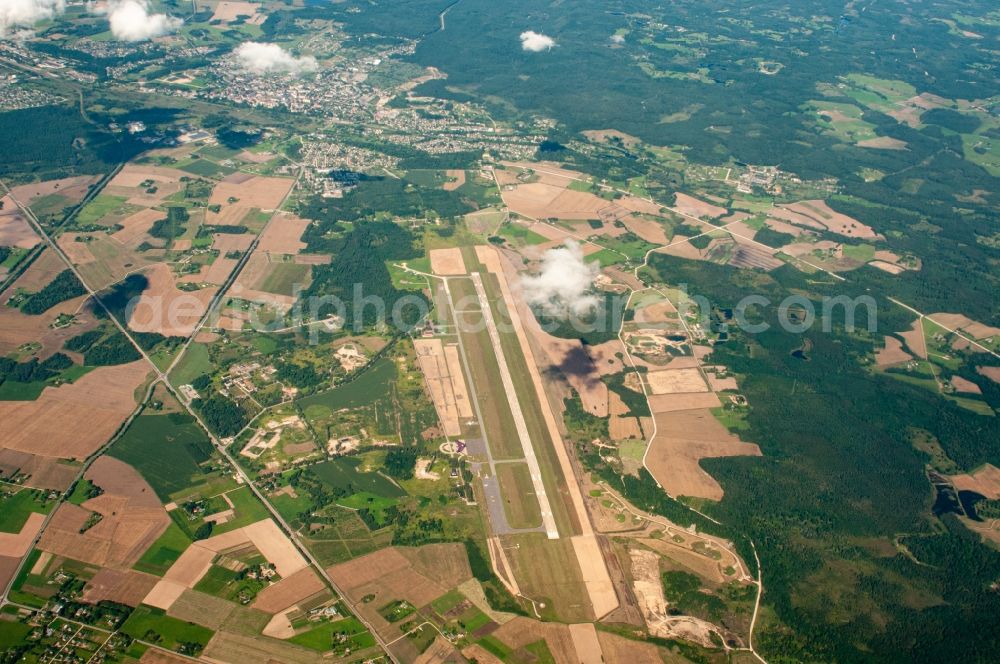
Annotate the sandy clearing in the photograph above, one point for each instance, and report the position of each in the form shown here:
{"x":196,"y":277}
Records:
{"x":276,"y":547}
{"x":676,"y":381}
{"x":166,"y":309}
{"x":892,"y":353}
{"x":607,"y":135}
{"x":595,"y":575}
{"x":289,"y":591}
{"x":280,"y":625}
{"x":17,"y":544}
{"x":914,"y":338}
{"x":49,"y":426}
{"x":682,"y":439}
{"x":891,"y":268}
{"x":447,"y":262}
{"x":434,"y":366}
{"x":283,"y":235}
{"x":695,"y":207}
{"x":456,"y":181}
{"x":984,"y":480}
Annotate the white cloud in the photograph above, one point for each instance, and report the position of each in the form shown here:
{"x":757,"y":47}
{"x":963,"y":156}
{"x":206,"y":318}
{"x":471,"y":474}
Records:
{"x":131,"y":21}
{"x":565,"y":284}
{"x":618,"y":39}
{"x":25,"y":13}
{"x":270,"y":58}
{"x":535,"y":41}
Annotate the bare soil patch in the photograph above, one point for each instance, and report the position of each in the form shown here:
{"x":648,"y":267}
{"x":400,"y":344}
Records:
{"x":883,"y":143}
{"x":132,"y":519}
{"x":122,"y":586}
{"x":676,"y":381}
{"x":283,"y":235}
{"x":985,"y":481}
{"x":49,"y":426}
{"x":15,"y":231}
{"x":668,"y":403}
{"x":965,"y":385}
{"x":682,"y":439}
{"x":237,"y":194}
{"x":17,"y":544}
{"x":289,"y":591}
{"x":457,"y":179}
{"x":136,"y":227}
{"x":817,"y":214}
{"x":447,"y":262}
{"x":695,"y":207}
{"x":893,"y":353}
{"x":166,"y":309}
{"x":914,"y":338}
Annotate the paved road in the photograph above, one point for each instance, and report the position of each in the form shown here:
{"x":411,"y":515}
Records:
{"x":548,"y":520}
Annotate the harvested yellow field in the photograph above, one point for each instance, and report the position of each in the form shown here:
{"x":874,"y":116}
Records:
{"x":817,"y":214}
{"x":18,"y":544}
{"x":50,"y":425}
{"x":283,"y":235}
{"x":676,"y":381}
{"x":239,"y":193}
{"x":668,"y":403}
{"x":166,"y":309}
{"x":445,"y":383}
{"x":695,"y":207}
{"x":682,"y":439}
{"x":447,"y":262}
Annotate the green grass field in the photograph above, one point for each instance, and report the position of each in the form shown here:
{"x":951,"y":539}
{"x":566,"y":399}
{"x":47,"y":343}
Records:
{"x":15,"y":509}
{"x":248,"y":510}
{"x":343,"y":473}
{"x":518,"y":494}
{"x":283,"y":278}
{"x":164,"y":552}
{"x":153,"y":625}
{"x":194,"y":363}
{"x":321,"y":638}
{"x":98,"y":208}
{"x":364,"y":390}
{"x":166,"y":450}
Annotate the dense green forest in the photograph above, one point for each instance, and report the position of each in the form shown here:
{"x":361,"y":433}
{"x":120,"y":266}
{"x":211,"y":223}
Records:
{"x":839,"y":467}
{"x":358,"y":267}
{"x":65,"y":286}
